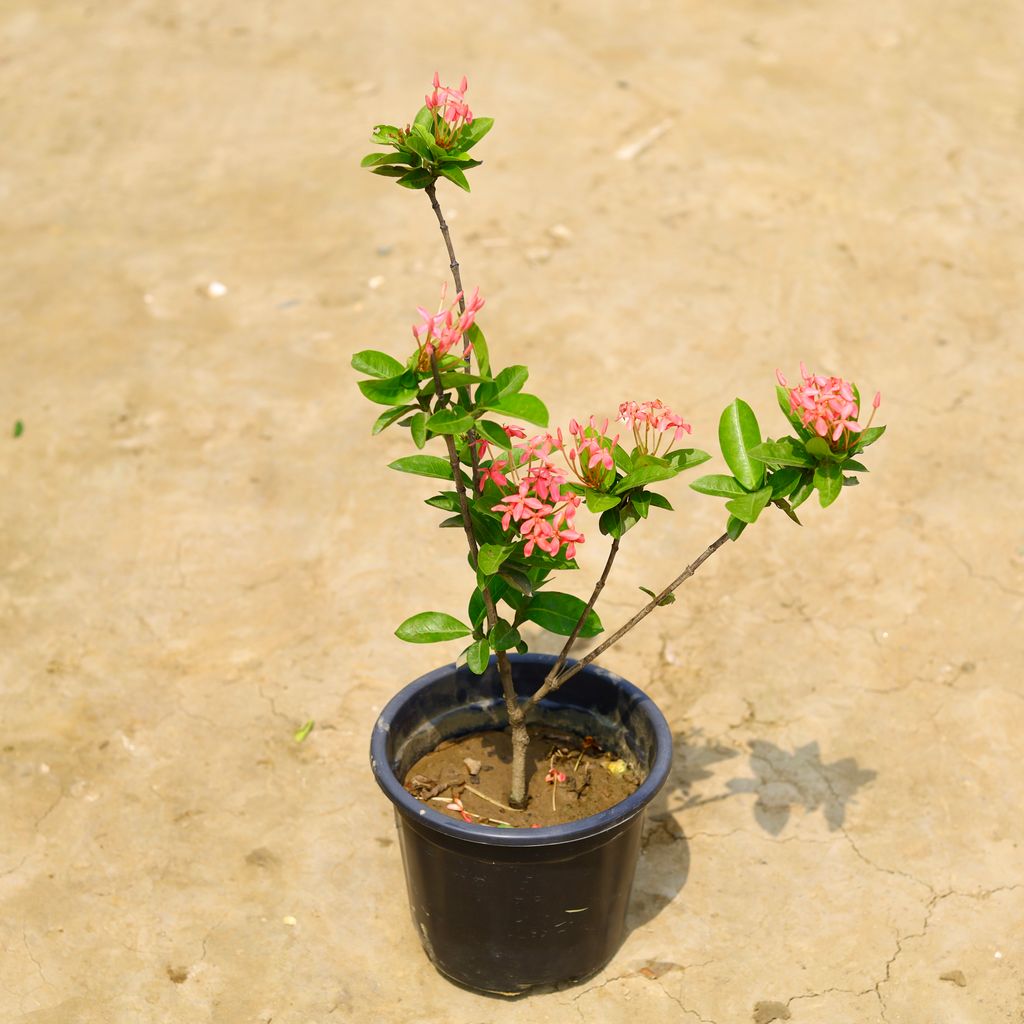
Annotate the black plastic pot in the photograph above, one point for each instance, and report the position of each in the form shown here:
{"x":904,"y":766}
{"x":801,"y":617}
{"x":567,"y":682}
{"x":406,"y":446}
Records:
{"x":504,"y":910}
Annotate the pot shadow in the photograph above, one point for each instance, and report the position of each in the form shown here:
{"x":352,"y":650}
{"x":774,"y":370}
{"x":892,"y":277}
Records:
{"x":782,"y":782}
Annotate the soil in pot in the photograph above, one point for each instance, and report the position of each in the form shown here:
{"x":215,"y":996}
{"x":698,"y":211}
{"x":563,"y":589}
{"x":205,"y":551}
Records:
{"x":570,"y":777}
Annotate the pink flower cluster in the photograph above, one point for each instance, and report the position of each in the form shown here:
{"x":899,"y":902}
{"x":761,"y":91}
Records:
{"x":592,"y":446}
{"x":442,"y":330}
{"x":651,"y":419}
{"x":450,"y":105}
{"x":827,"y":405}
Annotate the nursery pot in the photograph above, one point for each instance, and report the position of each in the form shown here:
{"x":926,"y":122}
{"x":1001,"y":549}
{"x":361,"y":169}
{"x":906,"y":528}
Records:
{"x":503,"y":910}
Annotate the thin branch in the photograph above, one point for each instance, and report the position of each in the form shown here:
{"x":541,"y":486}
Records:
{"x":454,"y":263}
{"x":642,"y":614}
{"x":549,"y":681}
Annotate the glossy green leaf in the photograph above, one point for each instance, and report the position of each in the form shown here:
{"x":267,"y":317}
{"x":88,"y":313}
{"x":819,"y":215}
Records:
{"x":508,"y":382}
{"x":385,"y":419}
{"x":667,"y":599}
{"x":423,"y":465}
{"x":853,"y":466}
{"x":377,"y":159}
{"x":418,"y":177}
{"x":478,"y":657}
{"x":448,"y":501}
{"x":522,"y":407}
{"x":431,"y":628}
{"x":472,"y":133}
{"x":491,"y":557}
{"x":504,"y":636}
{"x":395,"y":391}
{"x":719,"y":485}
{"x":455,"y":176}
{"x":418,"y":429}
{"x":734,"y":527}
{"x":686,"y":458}
{"x":869,"y":436}
{"x":424,"y":117}
{"x":788,"y":509}
{"x":494,"y":433}
{"x":660,"y":501}
{"x":817,"y":448}
{"x":559,"y":613}
{"x":479,"y":343}
{"x":598,"y":502}
{"x":645,"y":475}
{"x":387,"y":134}
{"x":782,"y":394}
{"x":749,"y":506}
{"x":802,"y":491}
{"x":828,"y":482}
{"x":783,"y":481}
{"x":452,"y":420}
{"x":377,"y":364}
{"x":519,"y":580}
{"x":622,"y":459}
{"x":738,"y":432}
{"x":787,"y":451}
{"x":390,"y":171}
{"x":457,"y":379}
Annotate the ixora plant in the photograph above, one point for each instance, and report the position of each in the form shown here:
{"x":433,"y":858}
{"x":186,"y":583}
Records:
{"x":528,"y":496}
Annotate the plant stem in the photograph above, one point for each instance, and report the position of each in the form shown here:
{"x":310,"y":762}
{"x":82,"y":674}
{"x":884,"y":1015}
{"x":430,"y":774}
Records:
{"x":516,"y":713}
{"x":453,"y":262}
{"x":640,"y":615}
{"x":549,"y":681}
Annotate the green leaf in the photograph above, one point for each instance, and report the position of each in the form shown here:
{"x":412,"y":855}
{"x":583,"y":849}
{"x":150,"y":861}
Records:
{"x":853,"y":466}
{"x":478,"y":656}
{"x":492,"y":555}
{"x":418,"y":177}
{"x":660,"y":501}
{"x":508,"y":382}
{"x":455,"y":379}
{"x":504,"y":636}
{"x":667,"y":599}
{"x":817,"y":448}
{"x":519,"y":580}
{"x":472,"y":133}
{"x":390,"y":171}
{"x":749,"y":506}
{"x":455,"y":176}
{"x":497,"y":588}
{"x":645,"y":475}
{"x":598,"y":502}
{"x":782,"y":394}
{"x":802,"y":491}
{"x":622,"y":459}
{"x":387,"y":134}
{"x":559,"y":613}
{"x":866,"y":437}
{"x":734,"y":527}
{"x":479,"y":343}
{"x":610,"y":523}
{"x":783,"y":481}
{"x":521,"y":407}
{"x":377,"y":159}
{"x":686,"y":458}
{"x":394,"y":391}
{"x":788,"y":509}
{"x":640,"y":501}
{"x":719,"y":485}
{"x":738,"y":432}
{"x":431,"y":628}
{"x":828,"y":482}
{"x":418,"y":428}
{"x":448,"y":501}
{"x":377,"y":364}
{"x":424,"y":118}
{"x":494,"y":433}
{"x":450,"y":421}
{"x":423,"y":465}
{"x":787,"y":451}
{"x":385,"y":419}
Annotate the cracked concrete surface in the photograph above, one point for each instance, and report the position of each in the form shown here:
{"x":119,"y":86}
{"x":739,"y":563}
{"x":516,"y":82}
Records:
{"x":199,"y":540}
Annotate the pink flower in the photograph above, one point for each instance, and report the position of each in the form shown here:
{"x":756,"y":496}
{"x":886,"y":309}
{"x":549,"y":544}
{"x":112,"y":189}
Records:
{"x":441,"y":331}
{"x":493,"y":471}
{"x":555,"y":776}
{"x":825,"y":405}
{"x":450,"y":110}
{"x":654,"y":418}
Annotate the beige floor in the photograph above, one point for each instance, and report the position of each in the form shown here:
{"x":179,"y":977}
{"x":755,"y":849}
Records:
{"x":200,"y":547}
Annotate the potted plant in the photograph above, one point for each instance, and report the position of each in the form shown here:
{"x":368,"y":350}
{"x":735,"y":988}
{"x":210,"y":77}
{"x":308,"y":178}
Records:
{"x":519,"y":780}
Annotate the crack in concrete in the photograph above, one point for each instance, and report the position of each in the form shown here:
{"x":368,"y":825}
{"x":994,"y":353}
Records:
{"x":978,"y":576}
{"x":270,"y":701}
{"x":878,"y":867}
{"x":31,"y":956}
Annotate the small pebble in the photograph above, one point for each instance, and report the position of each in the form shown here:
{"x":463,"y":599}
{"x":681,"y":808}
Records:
{"x":289,"y":920}
{"x":472,"y":765}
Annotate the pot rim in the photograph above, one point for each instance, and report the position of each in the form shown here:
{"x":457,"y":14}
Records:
{"x":550,"y":835}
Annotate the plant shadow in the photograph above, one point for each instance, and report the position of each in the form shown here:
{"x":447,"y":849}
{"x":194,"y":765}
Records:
{"x":780,"y":780}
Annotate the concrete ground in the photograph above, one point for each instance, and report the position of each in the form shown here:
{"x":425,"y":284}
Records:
{"x":201,"y":549}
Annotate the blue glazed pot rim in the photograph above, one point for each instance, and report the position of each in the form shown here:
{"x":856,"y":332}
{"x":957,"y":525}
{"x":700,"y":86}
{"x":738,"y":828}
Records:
{"x":585,"y":828}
